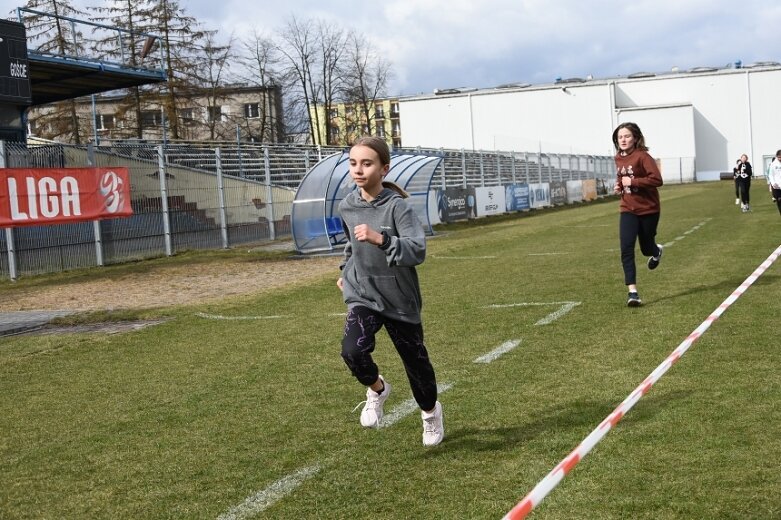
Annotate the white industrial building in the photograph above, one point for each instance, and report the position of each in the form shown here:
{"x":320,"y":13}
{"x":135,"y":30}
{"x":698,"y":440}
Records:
{"x":697,"y":122}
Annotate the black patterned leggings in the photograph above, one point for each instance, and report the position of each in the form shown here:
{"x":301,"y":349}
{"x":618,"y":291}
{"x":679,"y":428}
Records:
{"x":360,"y":329}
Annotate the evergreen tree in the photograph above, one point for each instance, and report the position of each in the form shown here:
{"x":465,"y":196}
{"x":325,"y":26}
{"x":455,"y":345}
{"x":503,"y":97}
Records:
{"x":182,"y":41}
{"x":135,"y":49}
{"x":50,"y":34}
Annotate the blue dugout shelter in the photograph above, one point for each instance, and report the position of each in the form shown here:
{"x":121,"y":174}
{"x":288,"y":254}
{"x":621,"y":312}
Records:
{"x":315,"y":220}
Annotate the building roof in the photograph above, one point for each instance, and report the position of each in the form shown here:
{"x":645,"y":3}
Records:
{"x":56,"y":78}
{"x":737,"y":67}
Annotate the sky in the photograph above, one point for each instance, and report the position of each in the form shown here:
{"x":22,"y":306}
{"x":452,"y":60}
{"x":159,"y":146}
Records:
{"x":439,"y":44}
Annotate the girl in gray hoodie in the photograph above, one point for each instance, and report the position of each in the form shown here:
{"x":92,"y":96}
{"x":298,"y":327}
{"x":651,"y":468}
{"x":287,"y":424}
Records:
{"x":380,"y":286}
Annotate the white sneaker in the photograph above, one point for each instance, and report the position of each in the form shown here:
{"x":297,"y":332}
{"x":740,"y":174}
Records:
{"x":433,"y":426}
{"x":372,"y":411}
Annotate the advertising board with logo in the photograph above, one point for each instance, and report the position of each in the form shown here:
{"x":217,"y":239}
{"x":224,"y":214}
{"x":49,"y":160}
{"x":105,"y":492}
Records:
{"x":516,"y":197}
{"x":490,"y":200}
{"x":456,"y":204}
{"x":558,"y":192}
{"x":539,"y":195}
{"x":40,"y":196}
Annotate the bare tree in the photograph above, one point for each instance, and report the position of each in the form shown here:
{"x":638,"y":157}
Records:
{"x":366,"y":78}
{"x":298,"y":46}
{"x":261,"y":61}
{"x":211,"y":78}
{"x":331,"y":41}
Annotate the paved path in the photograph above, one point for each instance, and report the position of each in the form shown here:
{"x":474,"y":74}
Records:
{"x":17,"y":322}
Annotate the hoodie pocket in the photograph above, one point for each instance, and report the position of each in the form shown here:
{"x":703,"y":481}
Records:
{"x":389,"y":292}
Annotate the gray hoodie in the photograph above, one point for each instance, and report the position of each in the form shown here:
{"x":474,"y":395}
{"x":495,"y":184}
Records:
{"x":383,"y":280}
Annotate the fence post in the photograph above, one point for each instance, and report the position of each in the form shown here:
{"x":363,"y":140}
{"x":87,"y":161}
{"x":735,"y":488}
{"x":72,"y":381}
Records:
{"x":482,"y":171}
{"x":463,"y":166}
{"x":164,"y":200}
{"x":272,"y":232}
{"x":526,"y":163}
{"x":95,"y":223}
{"x":238,"y":150}
{"x":561,"y":173}
{"x":444,"y":171}
{"x":9,"y":231}
{"x":221,"y":197}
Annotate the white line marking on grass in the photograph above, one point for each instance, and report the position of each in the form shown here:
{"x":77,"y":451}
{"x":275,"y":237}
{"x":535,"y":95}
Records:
{"x":557,"y":474}
{"x":564,"y":308}
{"x":407,"y":407}
{"x":546,"y":254}
{"x":504,"y":348}
{"x":267,"y":497}
{"x":555,"y":315}
{"x":688,"y":232}
{"x":220,"y":317}
{"x":462,"y":257}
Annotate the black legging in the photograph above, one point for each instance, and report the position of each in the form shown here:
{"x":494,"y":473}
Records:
{"x":633,"y":228}
{"x":777,"y":196}
{"x":744,"y":185}
{"x":360,"y":328}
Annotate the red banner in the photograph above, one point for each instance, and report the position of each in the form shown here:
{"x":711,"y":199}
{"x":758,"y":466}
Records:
{"x":41,"y":196}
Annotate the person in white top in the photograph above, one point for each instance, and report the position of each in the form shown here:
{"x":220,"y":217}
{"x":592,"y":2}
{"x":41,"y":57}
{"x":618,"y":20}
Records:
{"x":774,"y":179}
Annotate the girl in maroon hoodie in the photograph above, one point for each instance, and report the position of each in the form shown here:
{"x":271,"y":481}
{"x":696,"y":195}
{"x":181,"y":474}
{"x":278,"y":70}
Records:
{"x":637,"y":178}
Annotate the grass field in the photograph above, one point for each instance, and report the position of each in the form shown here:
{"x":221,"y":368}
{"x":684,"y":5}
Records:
{"x":208,"y":418}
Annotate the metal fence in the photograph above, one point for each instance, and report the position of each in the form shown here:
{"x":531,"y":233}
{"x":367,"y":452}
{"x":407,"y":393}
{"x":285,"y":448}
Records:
{"x":221,"y":194}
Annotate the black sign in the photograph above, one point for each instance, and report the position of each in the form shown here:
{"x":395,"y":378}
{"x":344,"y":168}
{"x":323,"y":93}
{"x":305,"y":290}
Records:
{"x":14,"y":69}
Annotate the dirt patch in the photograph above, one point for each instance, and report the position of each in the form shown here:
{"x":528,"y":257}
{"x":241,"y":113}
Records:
{"x":174,"y":285}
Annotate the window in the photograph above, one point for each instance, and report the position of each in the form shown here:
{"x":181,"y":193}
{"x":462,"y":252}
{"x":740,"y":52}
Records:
{"x":151,"y":118}
{"x":365,"y":129}
{"x":395,"y":109}
{"x":187,"y":115}
{"x":351,"y":128}
{"x":381,"y":130}
{"x":32,"y":126}
{"x":104,"y":121}
{"x":396,"y":130}
{"x":252,"y":110}
{"x":215,"y":114}
{"x":379,"y":112}
{"x":349,"y":111}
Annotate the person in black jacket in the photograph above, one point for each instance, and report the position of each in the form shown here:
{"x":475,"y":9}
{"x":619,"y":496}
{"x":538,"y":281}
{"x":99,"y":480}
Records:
{"x":743,"y":177}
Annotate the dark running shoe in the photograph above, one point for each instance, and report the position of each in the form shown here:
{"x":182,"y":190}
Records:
{"x":633,"y":300}
{"x":653,"y":262}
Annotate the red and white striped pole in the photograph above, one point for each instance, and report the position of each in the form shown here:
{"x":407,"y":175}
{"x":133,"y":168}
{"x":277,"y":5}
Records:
{"x":552,"y":479}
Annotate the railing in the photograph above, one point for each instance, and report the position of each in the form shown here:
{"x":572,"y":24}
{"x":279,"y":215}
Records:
{"x":81,"y":40}
{"x":206,"y":195}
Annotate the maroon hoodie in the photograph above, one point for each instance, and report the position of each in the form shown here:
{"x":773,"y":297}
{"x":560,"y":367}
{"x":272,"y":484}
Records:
{"x":642,"y":197}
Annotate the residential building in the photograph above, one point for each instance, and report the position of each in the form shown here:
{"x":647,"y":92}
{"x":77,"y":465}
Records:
{"x":252,"y":113}
{"x":348,"y":121}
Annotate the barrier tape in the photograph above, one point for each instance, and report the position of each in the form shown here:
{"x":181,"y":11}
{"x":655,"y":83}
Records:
{"x":551,"y":480}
